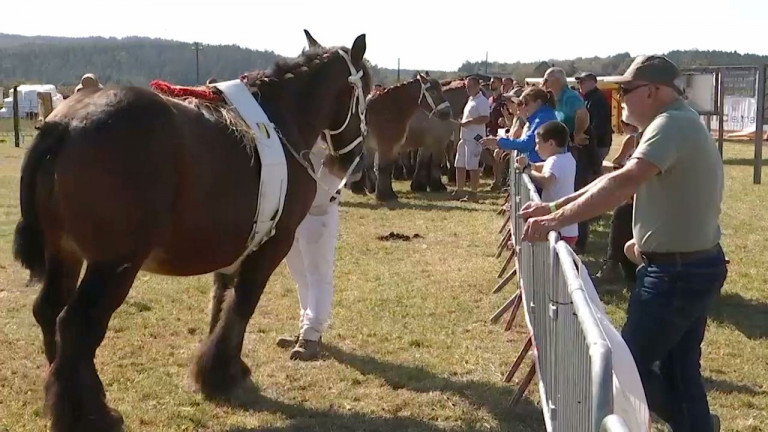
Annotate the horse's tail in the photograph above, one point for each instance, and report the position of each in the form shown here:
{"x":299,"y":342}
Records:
{"x":29,"y":239}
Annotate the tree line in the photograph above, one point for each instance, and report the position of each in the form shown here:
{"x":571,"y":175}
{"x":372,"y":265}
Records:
{"x":139,"y":60}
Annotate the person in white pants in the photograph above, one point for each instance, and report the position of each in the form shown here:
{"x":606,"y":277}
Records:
{"x":311,"y":261}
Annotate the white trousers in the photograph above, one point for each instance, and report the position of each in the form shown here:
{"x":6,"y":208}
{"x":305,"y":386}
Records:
{"x":310,"y":261}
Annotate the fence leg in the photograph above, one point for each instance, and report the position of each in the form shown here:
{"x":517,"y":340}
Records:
{"x":505,"y":224}
{"x":523,"y":386}
{"x":519,"y":360}
{"x":506,"y":264}
{"x":515,"y":309}
{"x":507,"y":279}
{"x":503,"y":243}
{"x":502,"y":310}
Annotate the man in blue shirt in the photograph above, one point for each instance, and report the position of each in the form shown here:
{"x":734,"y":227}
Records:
{"x":572,"y":111}
{"x":570,"y":106}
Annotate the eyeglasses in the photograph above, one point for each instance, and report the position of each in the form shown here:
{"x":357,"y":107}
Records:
{"x":624,"y":91}
{"x":522,"y":103}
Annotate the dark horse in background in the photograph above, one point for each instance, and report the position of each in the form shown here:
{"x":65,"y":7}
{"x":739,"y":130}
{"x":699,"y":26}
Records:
{"x":127,"y":180}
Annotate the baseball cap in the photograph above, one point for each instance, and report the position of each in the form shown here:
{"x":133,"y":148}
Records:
{"x":586,"y":76}
{"x":653,"y":69}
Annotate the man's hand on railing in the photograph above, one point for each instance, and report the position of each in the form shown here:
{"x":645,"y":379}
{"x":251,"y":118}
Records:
{"x":537,"y":228}
{"x":534,"y":209}
{"x":521,"y":162}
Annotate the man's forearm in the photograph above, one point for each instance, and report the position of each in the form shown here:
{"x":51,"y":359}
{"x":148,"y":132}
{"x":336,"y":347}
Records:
{"x":562,"y":202}
{"x":477,"y":121}
{"x":582,"y":121}
{"x":601,"y":197}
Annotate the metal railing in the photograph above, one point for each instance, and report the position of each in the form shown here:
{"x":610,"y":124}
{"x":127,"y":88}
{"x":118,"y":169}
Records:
{"x":571,"y":352}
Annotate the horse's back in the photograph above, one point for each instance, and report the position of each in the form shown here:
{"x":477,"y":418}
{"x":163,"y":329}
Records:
{"x":145,"y":176}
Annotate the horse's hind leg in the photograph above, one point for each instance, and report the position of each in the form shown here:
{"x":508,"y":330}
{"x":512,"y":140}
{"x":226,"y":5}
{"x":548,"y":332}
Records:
{"x":74,"y":393}
{"x":61,"y":275}
{"x":435,"y":171}
{"x":218,"y":368}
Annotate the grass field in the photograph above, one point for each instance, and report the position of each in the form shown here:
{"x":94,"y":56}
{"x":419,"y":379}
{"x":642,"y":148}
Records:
{"x":409,"y":346}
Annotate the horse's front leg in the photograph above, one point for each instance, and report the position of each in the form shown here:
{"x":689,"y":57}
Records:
{"x":222,"y":283}
{"x":219,"y":368}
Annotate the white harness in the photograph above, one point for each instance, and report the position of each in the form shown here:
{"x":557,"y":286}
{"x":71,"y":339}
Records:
{"x":269,"y":144}
{"x":425,"y":95}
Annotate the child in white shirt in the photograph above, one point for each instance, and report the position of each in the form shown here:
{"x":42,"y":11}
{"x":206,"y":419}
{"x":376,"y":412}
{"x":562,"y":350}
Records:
{"x":556,"y":175}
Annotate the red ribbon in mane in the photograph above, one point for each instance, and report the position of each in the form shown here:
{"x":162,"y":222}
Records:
{"x":203,"y":93}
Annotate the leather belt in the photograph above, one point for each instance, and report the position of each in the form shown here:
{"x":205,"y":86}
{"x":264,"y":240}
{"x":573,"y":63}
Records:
{"x":677,"y":257}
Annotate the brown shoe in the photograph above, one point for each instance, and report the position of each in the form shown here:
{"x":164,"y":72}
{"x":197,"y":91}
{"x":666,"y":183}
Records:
{"x":286,"y":342}
{"x":306,"y":350}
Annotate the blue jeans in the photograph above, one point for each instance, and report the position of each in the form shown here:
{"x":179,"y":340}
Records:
{"x":666,"y":320}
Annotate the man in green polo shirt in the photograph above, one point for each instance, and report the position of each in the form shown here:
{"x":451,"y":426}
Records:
{"x":676,"y":175}
{"x":572,"y":111}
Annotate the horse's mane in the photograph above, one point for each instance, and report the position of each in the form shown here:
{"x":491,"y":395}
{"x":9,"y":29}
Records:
{"x":455,"y":84}
{"x":220,"y":112}
{"x":396,"y":86}
{"x":305,"y":63}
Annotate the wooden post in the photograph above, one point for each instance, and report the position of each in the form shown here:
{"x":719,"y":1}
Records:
{"x":721,"y":111}
{"x":519,"y":360}
{"x":523,"y":386}
{"x":759,"y":121}
{"x":503,"y":309}
{"x":513,"y":314}
{"x":506,"y":263}
{"x":16,"y":125}
{"x":503,"y":243}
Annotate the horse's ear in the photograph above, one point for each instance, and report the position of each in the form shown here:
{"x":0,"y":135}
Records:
{"x":311,"y":41}
{"x":426,"y":74}
{"x":358,"y":48}
{"x":422,"y":78}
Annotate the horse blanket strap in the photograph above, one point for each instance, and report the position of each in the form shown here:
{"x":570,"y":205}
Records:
{"x":274,"y":171}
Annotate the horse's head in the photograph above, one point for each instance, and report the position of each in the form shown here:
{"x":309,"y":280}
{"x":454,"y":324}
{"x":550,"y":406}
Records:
{"x":432,"y":100}
{"x":342,"y":85}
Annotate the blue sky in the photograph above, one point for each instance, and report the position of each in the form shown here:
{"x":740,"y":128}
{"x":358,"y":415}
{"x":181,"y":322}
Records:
{"x":424,"y":35}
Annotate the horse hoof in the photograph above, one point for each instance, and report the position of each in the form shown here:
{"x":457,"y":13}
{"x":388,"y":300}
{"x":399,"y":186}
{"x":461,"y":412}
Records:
{"x":217,"y":378}
{"x":358,"y":189}
{"x":381,"y":197}
{"x":110,"y":421}
{"x":439,"y":187}
{"x":418,"y":187}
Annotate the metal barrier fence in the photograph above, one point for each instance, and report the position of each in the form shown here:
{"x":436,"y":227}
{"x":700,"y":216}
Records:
{"x":571,"y":352}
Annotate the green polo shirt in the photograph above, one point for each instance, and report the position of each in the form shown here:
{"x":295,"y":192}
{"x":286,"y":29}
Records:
{"x":678,"y":210}
{"x":568,"y":102}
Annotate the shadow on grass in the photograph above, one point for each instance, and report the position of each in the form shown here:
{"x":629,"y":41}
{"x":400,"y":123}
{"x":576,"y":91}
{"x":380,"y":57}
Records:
{"x":743,"y":162}
{"x":492,"y":397}
{"x":750,"y":317}
{"x":728,"y":387}
{"x":303,"y":419}
{"x":435,"y":205}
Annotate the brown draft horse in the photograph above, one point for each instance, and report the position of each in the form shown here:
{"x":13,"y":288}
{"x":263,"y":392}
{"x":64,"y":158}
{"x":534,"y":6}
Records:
{"x":389,"y":114}
{"x":388,"y":117}
{"x":127,"y":180}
